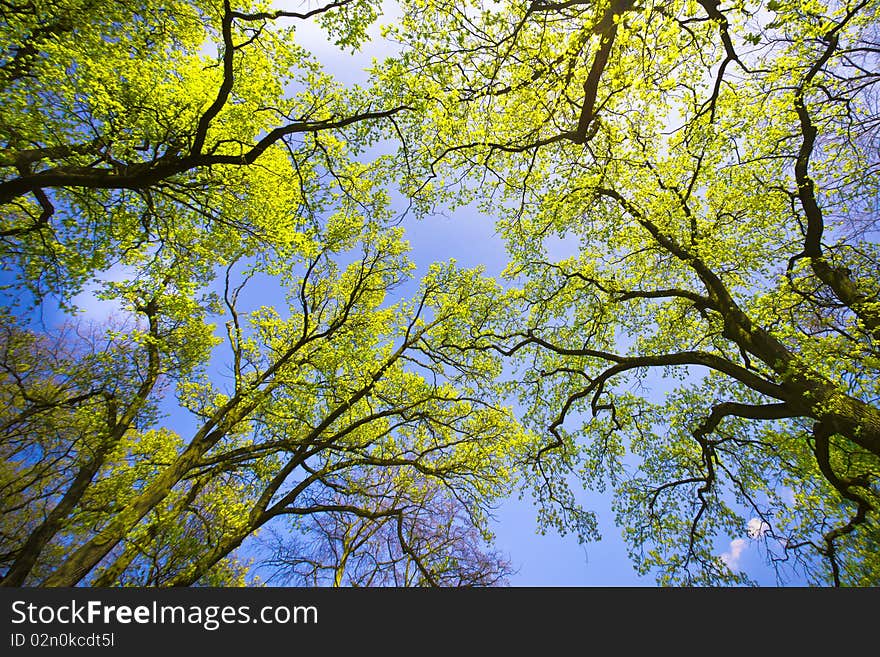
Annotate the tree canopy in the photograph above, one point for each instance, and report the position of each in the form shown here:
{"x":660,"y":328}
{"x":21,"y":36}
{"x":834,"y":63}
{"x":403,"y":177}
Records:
{"x":688,"y":318}
{"x":188,"y":157}
{"x":706,"y":344}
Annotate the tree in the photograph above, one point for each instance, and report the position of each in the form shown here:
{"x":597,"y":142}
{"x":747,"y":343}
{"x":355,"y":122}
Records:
{"x":689,"y":195}
{"x":399,"y":536}
{"x":58,"y":429}
{"x":151,"y":139}
{"x":185,"y":157}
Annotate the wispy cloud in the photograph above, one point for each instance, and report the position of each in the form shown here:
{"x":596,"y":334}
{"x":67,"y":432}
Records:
{"x":347,"y":67}
{"x":734,"y":553}
{"x":755,"y":528}
{"x":92,"y":307}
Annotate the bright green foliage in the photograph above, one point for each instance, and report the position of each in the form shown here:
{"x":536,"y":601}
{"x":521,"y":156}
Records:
{"x":127,"y":128}
{"x":194,"y":164}
{"x":688,"y":191}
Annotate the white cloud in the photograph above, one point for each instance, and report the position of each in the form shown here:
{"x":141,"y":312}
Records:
{"x":98,"y":310}
{"x":756,"y":528}
{"x":346,"y":66}
{"x":732,"y":556}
